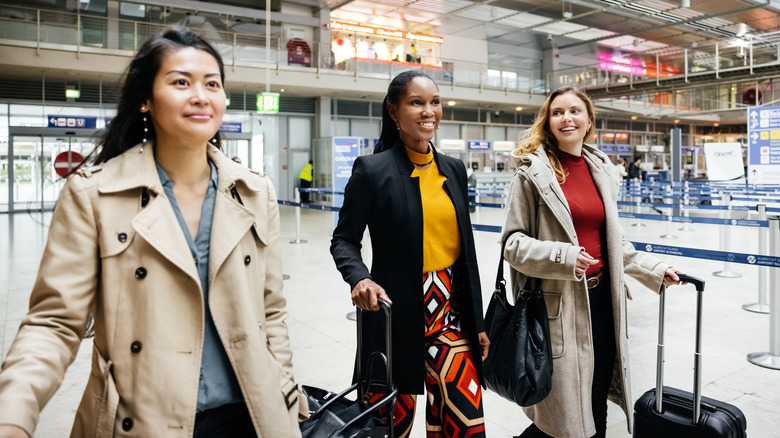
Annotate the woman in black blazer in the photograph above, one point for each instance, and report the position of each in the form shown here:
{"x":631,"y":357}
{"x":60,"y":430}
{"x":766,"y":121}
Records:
{"x":415,"y":204}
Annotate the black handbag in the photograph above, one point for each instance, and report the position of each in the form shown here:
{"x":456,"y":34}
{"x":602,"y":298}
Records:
{"x":519,"y":366}
{"x":337,"y":416}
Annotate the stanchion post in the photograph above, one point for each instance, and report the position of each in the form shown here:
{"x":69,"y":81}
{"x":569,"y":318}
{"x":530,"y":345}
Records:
{"x":761,"y":306}
{"x":685,"y":203}
{"x":725,"y":239}
{"x":771,"y":359}
{"x":669,"y":234}
{"x":297,"y":197}
{"x":637,"y":208}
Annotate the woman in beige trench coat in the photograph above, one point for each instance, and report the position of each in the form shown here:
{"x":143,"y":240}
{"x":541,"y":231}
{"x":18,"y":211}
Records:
{"x":182,"y":348}
{"x":562,"y":227}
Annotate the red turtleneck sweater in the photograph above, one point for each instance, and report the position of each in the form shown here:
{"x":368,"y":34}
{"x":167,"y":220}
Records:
{"x":587,"y":208}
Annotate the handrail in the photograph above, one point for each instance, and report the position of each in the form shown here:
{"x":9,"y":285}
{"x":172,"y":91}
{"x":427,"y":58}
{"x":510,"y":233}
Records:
{"x":64,"y":31}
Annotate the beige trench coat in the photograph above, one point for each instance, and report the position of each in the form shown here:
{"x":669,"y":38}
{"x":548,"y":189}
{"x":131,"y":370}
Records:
{"x":115,"y":247}
{"x":542,"y":243}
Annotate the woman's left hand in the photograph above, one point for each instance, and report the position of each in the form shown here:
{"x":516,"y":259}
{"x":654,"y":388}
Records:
{"x":670,"y":277}
{"x":484,"y":342}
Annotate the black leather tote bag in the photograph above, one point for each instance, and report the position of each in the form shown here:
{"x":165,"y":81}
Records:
{"x":519,"y":366}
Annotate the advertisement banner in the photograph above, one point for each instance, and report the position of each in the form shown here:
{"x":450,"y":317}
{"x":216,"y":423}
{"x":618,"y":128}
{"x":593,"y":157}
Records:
{"x":724,"y":161}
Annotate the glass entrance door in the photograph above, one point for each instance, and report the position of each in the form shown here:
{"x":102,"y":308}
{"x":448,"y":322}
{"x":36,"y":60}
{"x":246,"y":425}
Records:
{"x":32,"y":181}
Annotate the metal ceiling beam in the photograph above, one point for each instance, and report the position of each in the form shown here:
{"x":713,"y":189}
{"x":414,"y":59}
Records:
{"x":665,"y":25}
{"x":339,"y":4}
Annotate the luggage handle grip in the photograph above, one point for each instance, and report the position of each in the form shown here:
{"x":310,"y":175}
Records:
{"x":659,"y":380}
{"x":696,"y":281}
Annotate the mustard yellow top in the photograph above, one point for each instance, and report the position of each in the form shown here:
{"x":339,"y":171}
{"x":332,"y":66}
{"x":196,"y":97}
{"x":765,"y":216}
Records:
{"x":441,"y":240}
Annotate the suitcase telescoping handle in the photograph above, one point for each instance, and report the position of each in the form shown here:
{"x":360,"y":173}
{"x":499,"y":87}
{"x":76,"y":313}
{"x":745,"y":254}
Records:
{"x":659,"y":378}
{"x":385,"y":307}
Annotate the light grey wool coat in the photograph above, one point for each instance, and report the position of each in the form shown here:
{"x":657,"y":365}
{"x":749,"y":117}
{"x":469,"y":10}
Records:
{"x":542,"y":243}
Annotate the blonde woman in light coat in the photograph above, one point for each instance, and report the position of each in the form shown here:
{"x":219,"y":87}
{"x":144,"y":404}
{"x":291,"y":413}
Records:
{"x":582,"y":274}
{"x":184,"y":346}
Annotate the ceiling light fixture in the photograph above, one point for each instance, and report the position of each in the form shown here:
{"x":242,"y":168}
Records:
{"x":518,"y":108}
{"x":741,"y":30}
{"x":634,"y":117}
{"x":451,"y":103}
{"x":566,"y":13}
{"x":716,"y":124}
{"x":676,"y":120}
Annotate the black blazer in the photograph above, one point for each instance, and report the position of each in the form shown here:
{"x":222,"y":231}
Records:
{"x":382,"y":195}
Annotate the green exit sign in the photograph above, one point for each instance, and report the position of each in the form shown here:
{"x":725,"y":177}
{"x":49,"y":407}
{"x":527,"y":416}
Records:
{"x":268,"y":103}
{"x":72,"y":94}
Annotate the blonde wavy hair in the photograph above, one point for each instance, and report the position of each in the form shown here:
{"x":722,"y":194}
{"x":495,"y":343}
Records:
{"x":539,"y":134}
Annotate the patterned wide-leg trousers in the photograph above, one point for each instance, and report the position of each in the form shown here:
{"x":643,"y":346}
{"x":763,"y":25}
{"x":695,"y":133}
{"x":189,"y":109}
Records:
{"x":454,"y":397}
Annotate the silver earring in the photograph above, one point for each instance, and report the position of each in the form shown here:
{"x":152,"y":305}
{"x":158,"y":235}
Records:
{"x":214,"y":140}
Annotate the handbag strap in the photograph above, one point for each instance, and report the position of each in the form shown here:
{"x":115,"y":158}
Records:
{"x":501,"y":283}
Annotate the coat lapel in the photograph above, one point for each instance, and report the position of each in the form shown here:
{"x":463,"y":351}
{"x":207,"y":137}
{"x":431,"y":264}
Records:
{"x":231,"y":222}
{"x":232,"y":218}
{"x":158,"y":225}
{"x":552,"y":193}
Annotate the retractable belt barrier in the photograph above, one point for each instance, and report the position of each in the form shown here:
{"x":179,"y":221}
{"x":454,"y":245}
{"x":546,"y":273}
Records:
{"x":726,"y":256}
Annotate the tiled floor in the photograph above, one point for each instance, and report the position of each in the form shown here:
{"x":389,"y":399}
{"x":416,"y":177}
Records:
{"x":323,"y":339}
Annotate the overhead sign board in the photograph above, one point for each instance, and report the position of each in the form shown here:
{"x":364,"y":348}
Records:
{"x":764,"y":145}
{"x":479,"y":145}
{"x":268,"y":103}
{"x":452,"y":145}
{"x":503,"y":146}
{"x":77,"y":122}
{"x":232,"y":127}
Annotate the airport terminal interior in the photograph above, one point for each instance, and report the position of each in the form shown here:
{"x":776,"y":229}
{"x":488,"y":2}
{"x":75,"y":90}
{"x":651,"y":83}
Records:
{"x":683,"y":88}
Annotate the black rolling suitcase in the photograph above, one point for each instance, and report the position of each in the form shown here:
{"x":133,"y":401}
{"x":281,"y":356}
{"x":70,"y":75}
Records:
{"x":334,"y":415}
{"x":672,"y":413}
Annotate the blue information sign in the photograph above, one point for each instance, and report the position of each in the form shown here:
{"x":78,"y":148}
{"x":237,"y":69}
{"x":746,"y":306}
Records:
{"x":345,"y":150}
{"x":607,"y":148}
{"x":479,"y":145}
{"x":764,"y":145}
{"x":232,"y":127}
{"x":76,"y":122}
{"x":623,"y":149}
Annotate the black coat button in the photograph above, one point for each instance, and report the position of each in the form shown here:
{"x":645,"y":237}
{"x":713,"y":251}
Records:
{"x":144,"y":198}
{"x":140,"y":273}
{"x":135,"y":347}
{"x":127,"y":424}
{"x":247,"y":259}
{"x":122,"y":237}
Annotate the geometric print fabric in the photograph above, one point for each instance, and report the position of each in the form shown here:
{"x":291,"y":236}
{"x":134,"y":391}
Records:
{"x":454,"y":397}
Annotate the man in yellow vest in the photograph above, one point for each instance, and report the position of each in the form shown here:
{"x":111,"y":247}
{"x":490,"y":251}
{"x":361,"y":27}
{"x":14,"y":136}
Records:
{"x":306,"y":178}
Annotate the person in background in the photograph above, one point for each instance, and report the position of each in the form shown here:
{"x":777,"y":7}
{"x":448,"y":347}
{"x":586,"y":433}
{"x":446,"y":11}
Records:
{"x":562,"y":228}
{"x":621,"y":168}
{"x":306,"y":176}
{"x":634,"y":171}
{"x":174,"y":248}
{"x":414,"y":201}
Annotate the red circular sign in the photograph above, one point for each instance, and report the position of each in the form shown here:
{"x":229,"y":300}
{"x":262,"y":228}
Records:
{"x":66,"y":161}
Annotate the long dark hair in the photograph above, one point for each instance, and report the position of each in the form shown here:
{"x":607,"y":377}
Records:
{"x":127,"y":128}
{"x":388,"y":135}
